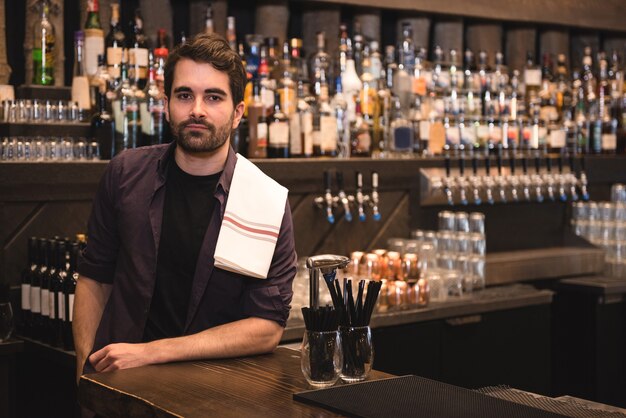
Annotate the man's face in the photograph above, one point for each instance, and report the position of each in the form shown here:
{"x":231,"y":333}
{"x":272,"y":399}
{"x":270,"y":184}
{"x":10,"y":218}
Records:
{"x":200,"y":109}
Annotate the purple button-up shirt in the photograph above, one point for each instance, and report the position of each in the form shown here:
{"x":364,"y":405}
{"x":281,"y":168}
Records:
{"x":124,"y":231}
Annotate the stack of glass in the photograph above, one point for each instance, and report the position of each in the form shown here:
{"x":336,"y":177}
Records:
{"x":604,"y":225}
{"x":40,"y":111}
{"x":452,"y":260}
{"x":37,"y":149}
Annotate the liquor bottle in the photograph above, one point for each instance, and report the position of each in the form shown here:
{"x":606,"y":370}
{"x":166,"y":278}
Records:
{"x":27,"y":278}
{"x":69,"y":288}
{"x":231,"y":34}
{"x":57,"y":261}
{"x":287,"y":86}
{"x":320,"y":65}
{"x":547,"y":96}
{"x":343,"y":50}
{"x":208,"y":19}
{"x":80,"y":82}
{"x":306,"y":106}
{"x":56,"y":289}
{"x":562,"y":137}
{"x":152,"y":110}
{"x":94,"y":37}
{"x":417,"y":118}
{"x":278,"y":139}
{"x":327,"y":129}
{"x":255,"y":49}
{"x":401,"y":130}
{"x":352,"y":86}
{"x":402,"y":81}
{"x":406,"y":48}
{"x":257,"y":124}
{"x":45,"y":291}
{"x":100,"y":84}
{"x":102,"y":128}
{"x":360,"y":134}
{"x":563,"y":87}
{"x":44,"y":40}
{"x":376,"y":60}
{"x":138,"y":53}
{"x":589,"y":81}
{"x":126,"y":114}
{"x":339,"y":108}
{"x":266,"y":84}
{"x":298,"y":62}
{"x":357,"y":47}
{"x":115,"y":44}
{"x":276,"y":66}
{"x":161,"y":51}
{"x":532,"y":80}
{"x":581,"y":116}
{"x":468,"y":71}
{"x":608,"y":124}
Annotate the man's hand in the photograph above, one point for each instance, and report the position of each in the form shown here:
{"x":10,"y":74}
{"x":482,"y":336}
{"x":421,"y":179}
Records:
{"x":120,"y":356}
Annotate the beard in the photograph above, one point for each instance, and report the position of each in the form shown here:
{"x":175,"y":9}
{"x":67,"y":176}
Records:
{"x":198,"y":141}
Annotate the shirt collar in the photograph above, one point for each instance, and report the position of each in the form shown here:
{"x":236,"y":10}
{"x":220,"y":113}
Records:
{"x":225,"y":178}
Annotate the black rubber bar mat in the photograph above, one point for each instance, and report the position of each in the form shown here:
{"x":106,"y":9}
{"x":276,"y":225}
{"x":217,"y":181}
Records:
{"x":414,"y":396}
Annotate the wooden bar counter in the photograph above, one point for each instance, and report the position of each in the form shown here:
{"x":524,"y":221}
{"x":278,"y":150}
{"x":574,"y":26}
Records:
{"x":260,"y":386}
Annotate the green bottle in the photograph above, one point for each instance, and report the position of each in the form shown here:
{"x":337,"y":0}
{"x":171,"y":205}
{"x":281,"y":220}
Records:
{"x":44,"y":48}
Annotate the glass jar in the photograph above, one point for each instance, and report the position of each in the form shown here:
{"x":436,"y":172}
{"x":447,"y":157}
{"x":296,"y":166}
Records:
{"x":321,"y":360}
{"x":358,"y":353}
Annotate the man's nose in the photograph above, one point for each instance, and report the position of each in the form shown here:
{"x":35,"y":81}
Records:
{"x":198,"y":109}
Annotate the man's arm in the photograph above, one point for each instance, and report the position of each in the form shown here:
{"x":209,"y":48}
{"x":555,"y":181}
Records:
{"x":240,"y":338}
{"x":89,"y":302}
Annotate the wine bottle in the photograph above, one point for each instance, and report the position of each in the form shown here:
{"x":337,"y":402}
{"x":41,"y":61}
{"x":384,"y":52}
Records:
{"x":103,"y":126}
{"x":278,"y":141}
{"x":27,"y":274}
{"x":69,"y":288}
{"x":44,"y":40}
{"x":35,"y":289}
{"x":126,"y":114}
{"x":80,"y":82}
{"x":138,"y":53}
{"x":47,"y":309}
{"x":152,"y":112}
{"x":94,"y":37}
{"x":115,"y":44}
{"x":56,"y":289}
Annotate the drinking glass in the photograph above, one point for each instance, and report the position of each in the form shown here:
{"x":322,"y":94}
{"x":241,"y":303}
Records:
{"x":321,"y":360}
{"x":358,"y":353}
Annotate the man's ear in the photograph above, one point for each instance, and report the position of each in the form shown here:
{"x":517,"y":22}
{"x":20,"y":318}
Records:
{"x":239,"y":110}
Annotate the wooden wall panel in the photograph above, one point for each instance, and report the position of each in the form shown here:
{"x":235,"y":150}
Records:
{"x":483,"y":36}
{"x":271,"y":19}
{"x":448,"y":34}
{"x":519,"y":40}
{"x":554,"y":41}
{"x":369,"y":18}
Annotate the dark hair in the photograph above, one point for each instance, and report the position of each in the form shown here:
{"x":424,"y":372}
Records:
{"x":210,"y":49}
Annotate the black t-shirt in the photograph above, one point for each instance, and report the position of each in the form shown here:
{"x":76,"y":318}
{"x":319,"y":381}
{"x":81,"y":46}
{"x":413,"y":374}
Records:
{"x":189,"y":204}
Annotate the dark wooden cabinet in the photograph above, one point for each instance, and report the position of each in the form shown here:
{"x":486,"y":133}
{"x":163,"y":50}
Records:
{"x":590,"y":339}
{"x":509,"y":347}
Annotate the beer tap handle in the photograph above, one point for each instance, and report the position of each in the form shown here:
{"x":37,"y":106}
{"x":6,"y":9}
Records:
{"x":446,"y":162}
{"x":462,"y":164}
{"x":474,"y":165}
{"x":376,"y":214}
{"x":359,"y":196}
{"x":549,"y":164}
{"x":583,"y":180}
{"x":328,"y":197}
{"x":487,"y":165}
{"x":499,"y":161}
{"x":525,"y":165}
{"x":537,"y":163}
{"x":343,"y":198}
{"x":512,"y":163}
{"x":559,"y":162}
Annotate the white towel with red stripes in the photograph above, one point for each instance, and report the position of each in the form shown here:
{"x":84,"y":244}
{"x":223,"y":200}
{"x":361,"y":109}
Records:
{"x":251,"y":224}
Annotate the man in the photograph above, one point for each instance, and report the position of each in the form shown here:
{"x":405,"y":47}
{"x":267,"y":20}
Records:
{"x":148,"y":290}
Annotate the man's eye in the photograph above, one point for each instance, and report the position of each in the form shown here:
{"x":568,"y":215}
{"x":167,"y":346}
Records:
{"x":184,"y":96}
{"x":213,"y":98}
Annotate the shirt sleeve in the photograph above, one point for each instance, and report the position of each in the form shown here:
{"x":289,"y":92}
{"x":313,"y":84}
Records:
{"x":271,"y":298}
{"x":97,"y":261}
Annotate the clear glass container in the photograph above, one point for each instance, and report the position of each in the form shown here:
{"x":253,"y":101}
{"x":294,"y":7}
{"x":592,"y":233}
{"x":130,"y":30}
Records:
{"x":322,"y":358}
{"x":358,"y":353}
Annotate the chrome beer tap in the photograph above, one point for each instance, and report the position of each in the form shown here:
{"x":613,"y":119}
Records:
{"x":572,"y":179}
{"x":448,"y":183}
{"x":327,"y":201}
{"x":359,"y":197}
{"x":548,"y":179}
{"x":475,"y":180}
{"x":513,"y":180}
{"x":583,"y":180}
{"x":342,"y":197}
{"x":488,"y":180}
{"x":562,"y":194}
{"x":525,"y":178}
{"x":536,"y":179}
{"x":500,"y":179}
{"x":374,"y":197}
{"x":462,"y":180}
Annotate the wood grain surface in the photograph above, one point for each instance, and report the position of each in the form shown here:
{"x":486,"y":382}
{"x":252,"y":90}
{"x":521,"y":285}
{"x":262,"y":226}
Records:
{"x":260,"y":386}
